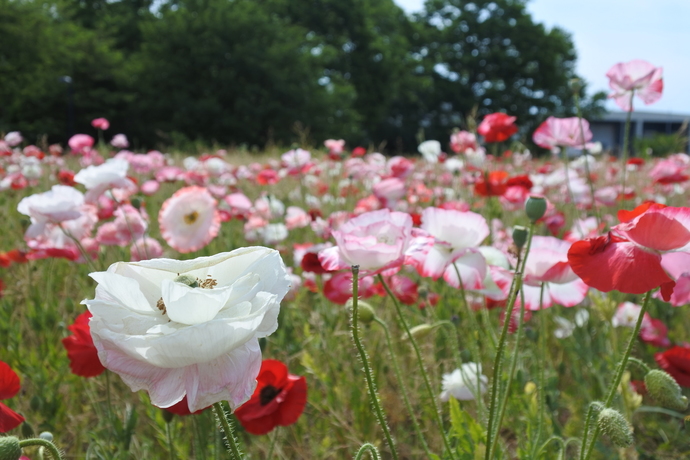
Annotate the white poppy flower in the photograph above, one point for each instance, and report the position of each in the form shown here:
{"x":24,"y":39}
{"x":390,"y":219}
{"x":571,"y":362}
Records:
{"x":189,"y":328}
{"x":462,"y":383}
{"x":430,"y":150}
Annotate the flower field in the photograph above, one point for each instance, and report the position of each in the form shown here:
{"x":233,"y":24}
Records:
{"x":469,"y":301}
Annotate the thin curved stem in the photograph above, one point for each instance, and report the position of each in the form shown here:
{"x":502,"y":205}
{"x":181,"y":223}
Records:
{"x":498,"y":360}
{"x":540,"y":368}
{"x":372,"y":451}
{"x":49,"y":446}
{"x":548,"y":441}
{"x":273,"y":443}
{"x":371,"y":387}
{"x":425,"y":376}
{"x":168,"y":435}
{"x":403,"y":388}
{"x":620,"y":370}
{"x":230,"y":440}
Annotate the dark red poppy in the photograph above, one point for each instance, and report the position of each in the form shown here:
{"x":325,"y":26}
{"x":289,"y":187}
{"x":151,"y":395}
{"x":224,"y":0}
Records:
{"x":497,"y":127}
{"x":82,"y":354}
{"x":66,"y":177}
{"x":279,"y":399}
{"x":522,"y":180}
{"x":635,"y":161}
{"x":310,"y":263}
{"x":494,"y":183}
{"x":17,"y":256}
{"x":9,"y":387}
{"x":676,"y":361}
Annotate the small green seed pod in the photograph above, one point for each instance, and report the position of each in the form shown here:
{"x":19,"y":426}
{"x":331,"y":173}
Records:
{"x":665,"y":390}
{"x":535,"y":207}
{"x":616,"y":427}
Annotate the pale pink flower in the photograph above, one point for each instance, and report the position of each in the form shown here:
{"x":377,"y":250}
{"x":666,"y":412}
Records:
{"x":389,"y":191}
{"x":564,"y":132}
{"x":296,"y":159}
{"x":376,"y":241}
{"x":98,"y":179}
{"x":150,"y":187}
{"x":240,"y":205}
{"x":334,"y":146}
{"x":462,"y":141}
{"x":626,"y":315}
{"x":13,"y":138}
{"x":445,"y":237}
{"x":61,"y":203}
{"x":100,"y":123}
{"x":400,"y":167}
{"x":80,"y":143}
{"x":119,"y":141}
{"x":296,"y":217}
{"x":144,"y":249}
{"x":189,"y":220}
{"x":636,"y":77}
{"x":547,"y":262}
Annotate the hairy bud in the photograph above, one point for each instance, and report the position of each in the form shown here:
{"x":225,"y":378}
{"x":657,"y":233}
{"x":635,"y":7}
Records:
{"x":665,"y":390}
{"x":616,"y":427}
{"x":9,"y":448}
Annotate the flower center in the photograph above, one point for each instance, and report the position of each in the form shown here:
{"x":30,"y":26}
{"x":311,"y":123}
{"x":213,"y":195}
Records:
{"x":208,"y":283}
{"x":267,"y":394}
{"x":191,"y":217}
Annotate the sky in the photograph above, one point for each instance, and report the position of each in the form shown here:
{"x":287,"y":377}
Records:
{"x":606,"y":32}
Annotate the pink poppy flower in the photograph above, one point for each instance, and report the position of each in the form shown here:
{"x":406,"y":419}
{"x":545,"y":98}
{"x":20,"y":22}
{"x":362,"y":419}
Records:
{"x":144,"y":249}
{"x":100,"y":123}
{"x":462,"y":141}
{"x":547,"y":262}
{"x":334,"y":146}
{"x":296,"y":217}
{"x":13,"y":138}
{"x":376,"y":241}
{"x":389,"y":191}
{"x":240,"y":205}
{"x":119,"y":141}
{"x":400,"y":167}
{"x":445,"y":236}
{"x":60,"y":204}
{"x":189,"y":219}
{"x":636,"y":77}
{"x":150,"y":187}
{"x":98,"y":179}
{"x":80,"y":143}
{"x":338,"y":288}
{"x":565,"y":132}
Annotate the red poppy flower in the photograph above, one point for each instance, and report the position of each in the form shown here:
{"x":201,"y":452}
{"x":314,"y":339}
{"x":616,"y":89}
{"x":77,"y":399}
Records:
{"x":629,"y":258}
{"x":497,"y":127}
{"x":676,"y":361}
{"x":359,"y":152}
{"x":310,"y":263}
{"x":279,"y":399}
{"x":82,"y":354}
{"x":66,"y":177}
{"x":9,"y":387}
{"x":494,"y":183}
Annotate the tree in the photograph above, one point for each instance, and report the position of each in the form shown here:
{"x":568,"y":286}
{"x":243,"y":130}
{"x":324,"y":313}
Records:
{"x":489,"y":56}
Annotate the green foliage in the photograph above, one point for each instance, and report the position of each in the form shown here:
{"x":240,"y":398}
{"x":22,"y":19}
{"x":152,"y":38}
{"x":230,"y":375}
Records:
{"x":660,"y":145}
{"x":247,"y":72}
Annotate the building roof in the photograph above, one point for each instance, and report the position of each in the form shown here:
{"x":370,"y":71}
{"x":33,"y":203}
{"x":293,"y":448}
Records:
{"x":659,"y":117}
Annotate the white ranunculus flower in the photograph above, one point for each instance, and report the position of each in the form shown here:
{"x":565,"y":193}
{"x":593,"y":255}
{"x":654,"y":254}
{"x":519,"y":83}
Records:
{"x":463,"y":383}
{"x":189,"y":328}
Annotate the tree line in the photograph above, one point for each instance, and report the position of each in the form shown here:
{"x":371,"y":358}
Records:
{"x":269,"y":71}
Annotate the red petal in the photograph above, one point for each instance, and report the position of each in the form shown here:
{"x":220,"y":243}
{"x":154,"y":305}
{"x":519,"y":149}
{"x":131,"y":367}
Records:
{"x":9,"y":381}
{"x":294,"y":403}
{"x":676,"y":361}
{"x":9,"y":419}
{"x":627,"y":216}
{"x":607,"y":263}
{"x":656,"y":231}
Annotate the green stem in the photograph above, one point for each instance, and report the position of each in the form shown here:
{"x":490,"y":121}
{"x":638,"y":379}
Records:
{"x":403,"y":388}
{"x":584,"y":153}
{"x":425,"y":375}
{"x":619,"y":372}
{"x":372,"y":451}
{"x":511,"y":372}
{"x":626,"y":136}
{"x":274,"y":438}
{"x":540,"y":368}
{"x":226,"y":425}
{"x":548,"y":441}
{"x":498,"y":359}
{"x":49,"y":446}
{"x":639,"y":364}
{"x":373,"y":394}
{"x":168,"y":434}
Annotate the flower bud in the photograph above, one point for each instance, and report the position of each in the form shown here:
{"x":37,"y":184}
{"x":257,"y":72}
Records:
{"x":136,"y":202}
{"x":27,"y":430}
{"x":420,"y":331}
{"x":665,"y":390}
{"x":188,"y":280}
{"x":47,"y":435}
{"x":519,"y":236}
{"x":167,"y":416}
{"x":616,"y":427}
{"x":575,"y":85}
{"x":535,"y":207}
{"x":9,"y":448}
{"x":365,"y":312}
